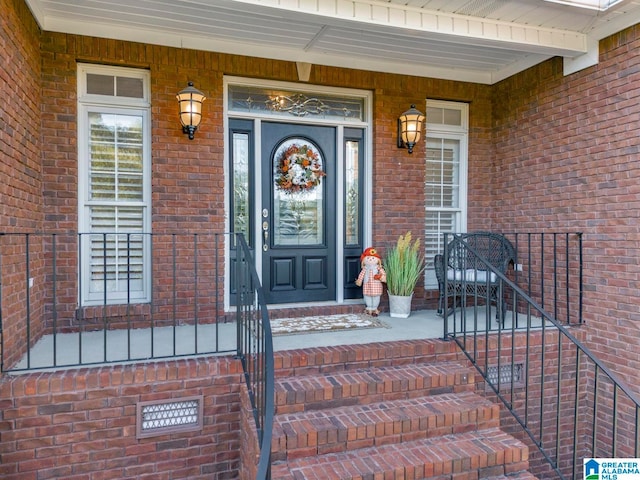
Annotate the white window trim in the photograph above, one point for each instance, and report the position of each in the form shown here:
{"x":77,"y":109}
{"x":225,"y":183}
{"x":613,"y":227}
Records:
{"x":108,"y":100}
{"x":461,"y":134}
{"x":116,"y":105}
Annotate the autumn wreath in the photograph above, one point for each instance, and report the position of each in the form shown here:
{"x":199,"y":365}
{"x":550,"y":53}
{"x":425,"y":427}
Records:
{"x":298,"y":169}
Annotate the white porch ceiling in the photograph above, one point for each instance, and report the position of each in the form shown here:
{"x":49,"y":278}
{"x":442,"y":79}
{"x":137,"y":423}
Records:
{"x":480,"y":41}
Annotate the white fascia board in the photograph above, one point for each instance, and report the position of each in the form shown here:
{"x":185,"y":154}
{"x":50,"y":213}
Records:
{"x":443,"y":26}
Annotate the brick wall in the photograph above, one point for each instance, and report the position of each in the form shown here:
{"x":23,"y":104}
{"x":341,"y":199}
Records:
{"x":20,"y":162}
{"x":546,"y":152}
{"x":21,"y":196}
{"x":81,"y":424}
{"x":187,"y":176}
{"x":567,"y":151}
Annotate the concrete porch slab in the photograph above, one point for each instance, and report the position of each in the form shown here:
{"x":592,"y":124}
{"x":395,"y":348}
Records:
{"x":102,"y":347}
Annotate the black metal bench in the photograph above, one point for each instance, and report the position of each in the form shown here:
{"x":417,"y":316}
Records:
{"x":472,"y":275}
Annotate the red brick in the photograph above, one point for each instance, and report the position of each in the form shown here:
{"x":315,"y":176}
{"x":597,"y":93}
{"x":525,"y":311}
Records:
{"x":546,"y":152}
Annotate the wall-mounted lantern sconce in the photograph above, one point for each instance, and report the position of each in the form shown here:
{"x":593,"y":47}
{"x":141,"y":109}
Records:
{"x":190,"y":101}
{"x":410,"y":128}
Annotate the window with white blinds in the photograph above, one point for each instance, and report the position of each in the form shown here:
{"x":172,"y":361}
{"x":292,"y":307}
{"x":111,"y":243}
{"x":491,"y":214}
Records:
{"x":446,"y":176}
{"x":114,"y":184}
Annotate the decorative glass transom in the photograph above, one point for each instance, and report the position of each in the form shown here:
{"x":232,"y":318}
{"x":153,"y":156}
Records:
{"x":289,"y":103}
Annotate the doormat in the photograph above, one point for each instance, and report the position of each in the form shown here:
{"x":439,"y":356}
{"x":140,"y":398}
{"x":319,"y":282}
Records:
{"x":324,"y":323}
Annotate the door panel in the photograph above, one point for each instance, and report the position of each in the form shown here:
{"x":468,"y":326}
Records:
{"x":282,"y":273}
{"x":315,"y":273}
{"x":298,"y":192}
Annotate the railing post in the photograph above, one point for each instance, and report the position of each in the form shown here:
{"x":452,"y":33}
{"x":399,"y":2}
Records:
{"x":239,"y":296}
{"x":445,"y":286}
{"x":28,"y":303}
{"x":580,"y":275}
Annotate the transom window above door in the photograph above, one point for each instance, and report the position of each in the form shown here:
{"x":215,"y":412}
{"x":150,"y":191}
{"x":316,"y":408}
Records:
{"x":295,"y":103}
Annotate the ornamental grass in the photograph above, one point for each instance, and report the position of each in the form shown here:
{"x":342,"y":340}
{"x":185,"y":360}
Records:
{"x":403,"y":263}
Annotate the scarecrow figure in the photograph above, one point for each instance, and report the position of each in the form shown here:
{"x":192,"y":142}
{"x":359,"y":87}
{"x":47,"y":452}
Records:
{"x":370,"y":279}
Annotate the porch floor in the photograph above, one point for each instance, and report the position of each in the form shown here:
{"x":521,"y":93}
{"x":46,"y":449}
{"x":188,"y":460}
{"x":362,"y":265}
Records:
{"x":146,"y":344}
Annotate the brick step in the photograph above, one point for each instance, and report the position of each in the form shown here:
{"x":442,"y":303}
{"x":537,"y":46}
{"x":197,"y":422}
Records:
{"x":308,"y":361}
{"x":331,"y":390}
{"x":468,"y":455}
{"x":346,"y":428}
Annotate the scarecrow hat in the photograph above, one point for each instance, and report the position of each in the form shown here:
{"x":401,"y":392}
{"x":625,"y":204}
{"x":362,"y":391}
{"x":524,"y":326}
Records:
{"x":369,"y":252}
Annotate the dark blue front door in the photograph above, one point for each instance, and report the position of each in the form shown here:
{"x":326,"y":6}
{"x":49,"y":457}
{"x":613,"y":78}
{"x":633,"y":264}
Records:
{"x":298,"y":237}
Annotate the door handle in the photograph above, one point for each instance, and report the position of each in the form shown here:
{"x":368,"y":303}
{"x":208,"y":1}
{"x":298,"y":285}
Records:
{"x":265,"y":236}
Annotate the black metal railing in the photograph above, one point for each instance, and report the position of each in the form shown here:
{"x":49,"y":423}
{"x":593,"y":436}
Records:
{"x":70,"y":300}
{"x":548,"y":267}
{"x":570,"y":405}
{"x":255,"y":349}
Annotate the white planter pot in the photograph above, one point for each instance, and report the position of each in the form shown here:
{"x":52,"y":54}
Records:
{"x":400,"y":305}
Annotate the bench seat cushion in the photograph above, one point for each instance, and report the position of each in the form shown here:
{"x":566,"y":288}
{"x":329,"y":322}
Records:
{"x":471,"y":275}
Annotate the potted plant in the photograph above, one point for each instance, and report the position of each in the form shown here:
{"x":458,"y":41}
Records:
{"x":404,"y":264}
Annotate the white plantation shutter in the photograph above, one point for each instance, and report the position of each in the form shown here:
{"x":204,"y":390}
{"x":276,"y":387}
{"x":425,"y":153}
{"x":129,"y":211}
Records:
{"x":114,"y":186}
{"x":116,"y":157}
{"x":117,"y":259}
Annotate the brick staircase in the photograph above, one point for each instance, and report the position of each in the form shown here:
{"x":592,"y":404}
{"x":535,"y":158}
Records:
{"x":396,"y":412}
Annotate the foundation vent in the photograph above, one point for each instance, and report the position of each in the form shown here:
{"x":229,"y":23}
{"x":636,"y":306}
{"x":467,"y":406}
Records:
{"x":175,"y":415}
{"x":505,"y":374}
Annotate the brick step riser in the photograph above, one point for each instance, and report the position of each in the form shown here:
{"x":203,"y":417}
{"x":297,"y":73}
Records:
{"x":344,"y":429}
{"x":344,"y":358}
{"x":473,"y":455}
{"x":319,"y":403}
{"x":369,"y":386}
{"x":321,"y":383}
{"x":409,"y":474}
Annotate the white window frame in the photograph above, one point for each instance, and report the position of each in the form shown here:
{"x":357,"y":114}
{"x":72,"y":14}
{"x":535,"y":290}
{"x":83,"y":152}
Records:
{"x":459,"y":133}
{"x":88,"y":103}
